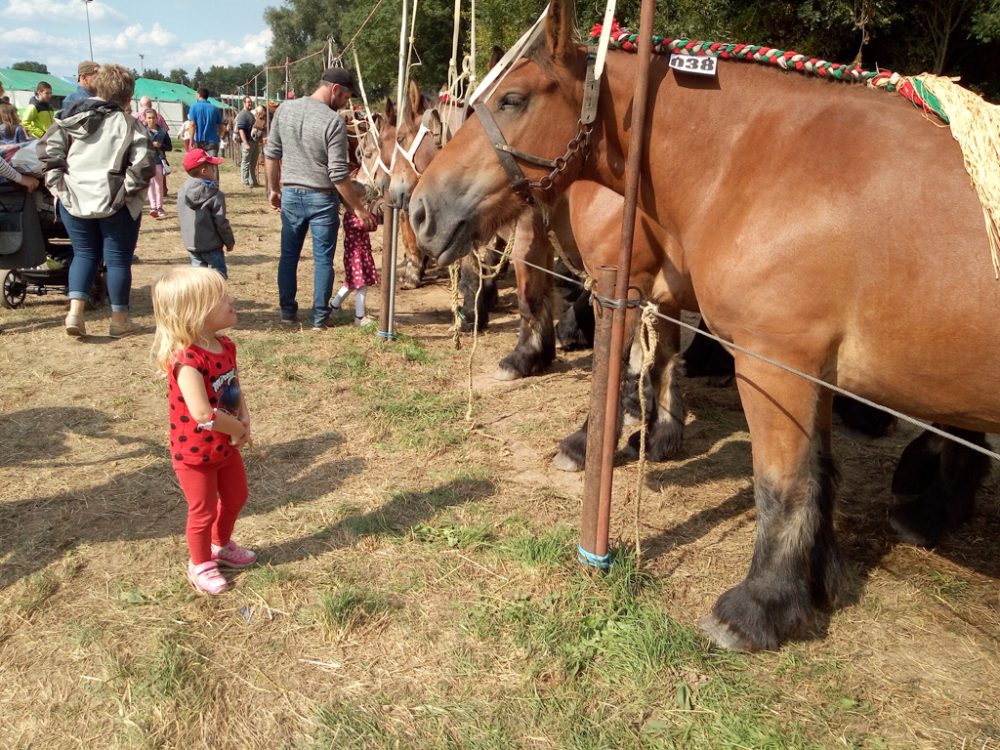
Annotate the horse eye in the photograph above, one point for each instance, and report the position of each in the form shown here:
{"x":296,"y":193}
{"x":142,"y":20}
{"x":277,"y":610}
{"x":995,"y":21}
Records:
{"x":512,"y":101}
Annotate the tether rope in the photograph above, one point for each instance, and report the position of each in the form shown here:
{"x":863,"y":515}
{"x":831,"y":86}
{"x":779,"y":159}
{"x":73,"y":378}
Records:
{"x":774,"y":363}
{"x":910,"y":89}
{"x":648,"y":342}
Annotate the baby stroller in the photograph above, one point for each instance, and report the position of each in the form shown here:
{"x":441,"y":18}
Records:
{"x":35,"y":249}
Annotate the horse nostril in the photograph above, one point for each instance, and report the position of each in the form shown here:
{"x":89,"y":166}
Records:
{"x":418,"y":216}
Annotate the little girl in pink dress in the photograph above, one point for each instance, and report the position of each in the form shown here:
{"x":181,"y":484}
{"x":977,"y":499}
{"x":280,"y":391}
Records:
{"x":359,"y":268}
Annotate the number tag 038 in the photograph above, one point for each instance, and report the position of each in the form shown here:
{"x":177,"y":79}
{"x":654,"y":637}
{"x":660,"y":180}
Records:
{"x":700,"y":65}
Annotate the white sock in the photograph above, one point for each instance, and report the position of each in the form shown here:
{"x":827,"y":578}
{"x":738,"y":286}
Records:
{"x":344,"y":291}
{"x":359,"y":302}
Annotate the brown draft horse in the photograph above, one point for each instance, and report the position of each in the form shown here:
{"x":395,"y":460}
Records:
{"x":586,"y":213}
{"x":828,"y":227}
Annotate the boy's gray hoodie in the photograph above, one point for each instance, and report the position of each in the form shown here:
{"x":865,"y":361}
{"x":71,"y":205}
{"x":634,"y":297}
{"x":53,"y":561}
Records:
{"x":201,"y":210}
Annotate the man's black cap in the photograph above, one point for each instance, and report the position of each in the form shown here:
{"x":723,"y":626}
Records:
{"x":341,"y":76}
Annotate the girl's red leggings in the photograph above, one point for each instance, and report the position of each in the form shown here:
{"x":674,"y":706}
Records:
{"x":215,"y":494}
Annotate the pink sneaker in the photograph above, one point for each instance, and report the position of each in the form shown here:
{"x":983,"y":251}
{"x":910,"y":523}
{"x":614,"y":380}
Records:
{"x":233,"y":555}
{"x":207,"y":578}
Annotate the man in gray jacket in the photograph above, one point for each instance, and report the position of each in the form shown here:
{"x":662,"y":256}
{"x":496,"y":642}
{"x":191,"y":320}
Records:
{"x":306,"y":155}
{"x":201,"y":210}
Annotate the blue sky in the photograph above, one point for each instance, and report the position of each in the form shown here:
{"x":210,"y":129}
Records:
{"x":170,"y":33}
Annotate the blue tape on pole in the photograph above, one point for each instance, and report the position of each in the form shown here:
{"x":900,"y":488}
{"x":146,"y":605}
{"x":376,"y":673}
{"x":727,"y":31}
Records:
{"x":386,"y":335}
{"x":589,"y":558}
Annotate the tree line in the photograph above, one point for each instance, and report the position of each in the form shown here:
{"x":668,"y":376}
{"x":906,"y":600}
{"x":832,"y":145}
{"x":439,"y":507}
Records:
{"x":949,"y":37}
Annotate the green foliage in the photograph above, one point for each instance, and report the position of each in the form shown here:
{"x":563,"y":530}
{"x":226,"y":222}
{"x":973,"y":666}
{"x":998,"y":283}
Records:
{"x":179,"y":75}
{"x":954,"y":37}
{"x":31,"y":66}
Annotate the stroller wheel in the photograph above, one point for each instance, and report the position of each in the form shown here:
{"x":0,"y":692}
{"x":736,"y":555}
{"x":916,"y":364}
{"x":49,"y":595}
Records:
{"x":97,"y":291}
{"x":14,"y":290}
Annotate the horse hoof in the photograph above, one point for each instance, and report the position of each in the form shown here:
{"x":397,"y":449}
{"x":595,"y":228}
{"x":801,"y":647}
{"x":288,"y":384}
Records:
{"x":905,"y":530}
{"x":721,"y":635}
{"x":505,"y":374}
{"x":409,"y":285}
{"x":565,"y":463}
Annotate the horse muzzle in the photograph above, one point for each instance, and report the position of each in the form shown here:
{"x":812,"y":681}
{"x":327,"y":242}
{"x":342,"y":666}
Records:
{"x":442,"y":231}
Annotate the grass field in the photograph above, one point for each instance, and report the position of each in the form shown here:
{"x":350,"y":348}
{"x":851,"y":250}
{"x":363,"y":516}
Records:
{"x":418,"y":585}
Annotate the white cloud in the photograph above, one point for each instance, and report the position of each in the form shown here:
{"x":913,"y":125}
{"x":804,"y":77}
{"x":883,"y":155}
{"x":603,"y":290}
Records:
{"x":61,"y":49}
{"x":208,"y":52}
{"x":61,"y":54}
{"x":135,"y":38}
{"x":63,"y":11}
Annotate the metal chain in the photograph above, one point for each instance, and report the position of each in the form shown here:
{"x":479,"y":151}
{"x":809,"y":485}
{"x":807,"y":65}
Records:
{"x":579,"y":145}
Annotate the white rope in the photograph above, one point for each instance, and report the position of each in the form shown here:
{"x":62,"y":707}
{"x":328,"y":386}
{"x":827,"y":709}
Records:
{"x":501,"y":69}
{"x":648,"y":342}
{"x":816,"y":381}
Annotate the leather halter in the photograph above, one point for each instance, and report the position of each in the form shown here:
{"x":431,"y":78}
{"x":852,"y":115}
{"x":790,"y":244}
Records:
{"x":379,"y":164}
{"x":433,"y":118}
{"x":509,"y":156}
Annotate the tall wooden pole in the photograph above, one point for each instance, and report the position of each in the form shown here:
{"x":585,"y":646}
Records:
{"x":388,"y":313}
{"x":606,"y":281}
{"x":636,"y":157}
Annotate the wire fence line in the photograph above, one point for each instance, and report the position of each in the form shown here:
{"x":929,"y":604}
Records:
{"x":774,"y":363}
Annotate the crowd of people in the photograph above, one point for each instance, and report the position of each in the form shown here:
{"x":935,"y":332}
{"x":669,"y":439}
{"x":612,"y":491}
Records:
{"x":102,"y":163}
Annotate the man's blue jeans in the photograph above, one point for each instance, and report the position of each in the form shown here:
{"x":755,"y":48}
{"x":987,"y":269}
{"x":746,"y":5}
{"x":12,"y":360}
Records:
{"x":113,"y":238}
{"x":303,"y":210}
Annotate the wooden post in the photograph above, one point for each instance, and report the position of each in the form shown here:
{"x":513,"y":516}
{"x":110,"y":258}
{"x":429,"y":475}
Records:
{"x":589,"y":542}
{"x":388,"y":313}
{"x":636,"y":157}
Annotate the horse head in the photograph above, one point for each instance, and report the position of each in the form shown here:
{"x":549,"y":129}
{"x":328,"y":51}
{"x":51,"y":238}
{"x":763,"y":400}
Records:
{"x":370,"y":146}
{"x":466,"y":193}
{"x":419,"y":137}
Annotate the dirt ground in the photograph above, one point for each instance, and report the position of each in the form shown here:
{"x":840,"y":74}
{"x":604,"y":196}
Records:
{"x":103,"y":644}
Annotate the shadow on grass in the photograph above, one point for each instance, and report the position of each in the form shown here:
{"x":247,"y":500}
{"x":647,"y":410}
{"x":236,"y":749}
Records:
{"x":141,"y":504}
{"x":396,"y":517}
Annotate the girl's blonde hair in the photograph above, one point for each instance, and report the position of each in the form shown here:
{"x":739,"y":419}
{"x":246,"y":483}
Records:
{"x":182,"y":299}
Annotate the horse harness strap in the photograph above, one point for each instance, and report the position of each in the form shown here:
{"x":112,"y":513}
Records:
{"x":409,"y":153}
{"x":580,"y":144}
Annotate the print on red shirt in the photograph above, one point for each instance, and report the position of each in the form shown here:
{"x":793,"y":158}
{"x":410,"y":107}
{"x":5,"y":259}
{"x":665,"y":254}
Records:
{"x":189,"y":443}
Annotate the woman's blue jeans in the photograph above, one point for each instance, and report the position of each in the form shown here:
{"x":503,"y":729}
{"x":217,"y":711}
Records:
{"x":112,"y":238}
{"x":316,"y":212}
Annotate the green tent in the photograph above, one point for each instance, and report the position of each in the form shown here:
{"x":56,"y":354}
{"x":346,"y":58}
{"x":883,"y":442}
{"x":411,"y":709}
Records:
{"x":165,"y":91}
{"x":20,"y":86}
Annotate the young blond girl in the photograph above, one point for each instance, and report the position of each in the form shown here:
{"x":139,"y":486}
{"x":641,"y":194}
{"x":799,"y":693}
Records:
{"x":209,"y":421}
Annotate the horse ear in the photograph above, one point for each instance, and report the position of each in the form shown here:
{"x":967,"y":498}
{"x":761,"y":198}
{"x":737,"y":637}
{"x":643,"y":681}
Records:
{"x":560,"y":29}
{"x":495,"y":56}
{"x":415,"y":100}
{"x":390,"y":112}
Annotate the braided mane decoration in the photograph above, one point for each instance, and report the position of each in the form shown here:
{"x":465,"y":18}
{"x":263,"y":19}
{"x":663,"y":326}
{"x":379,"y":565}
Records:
{"x":910,"y":89}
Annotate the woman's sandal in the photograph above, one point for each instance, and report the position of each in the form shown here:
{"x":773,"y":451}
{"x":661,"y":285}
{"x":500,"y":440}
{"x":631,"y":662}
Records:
{"x":207,"y":578}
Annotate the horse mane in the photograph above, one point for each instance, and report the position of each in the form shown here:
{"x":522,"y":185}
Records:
{"x":911,"y":89}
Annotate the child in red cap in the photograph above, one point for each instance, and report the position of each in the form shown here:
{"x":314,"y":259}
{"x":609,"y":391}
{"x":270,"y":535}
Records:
{"x":201,"y":210}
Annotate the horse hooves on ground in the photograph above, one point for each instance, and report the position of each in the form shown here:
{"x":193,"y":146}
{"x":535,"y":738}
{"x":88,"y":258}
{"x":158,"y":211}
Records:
{"x":912,"y":527}
{"x":505,"y":374}
{"x":565,"y":463}
{"x":721,"y":635}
